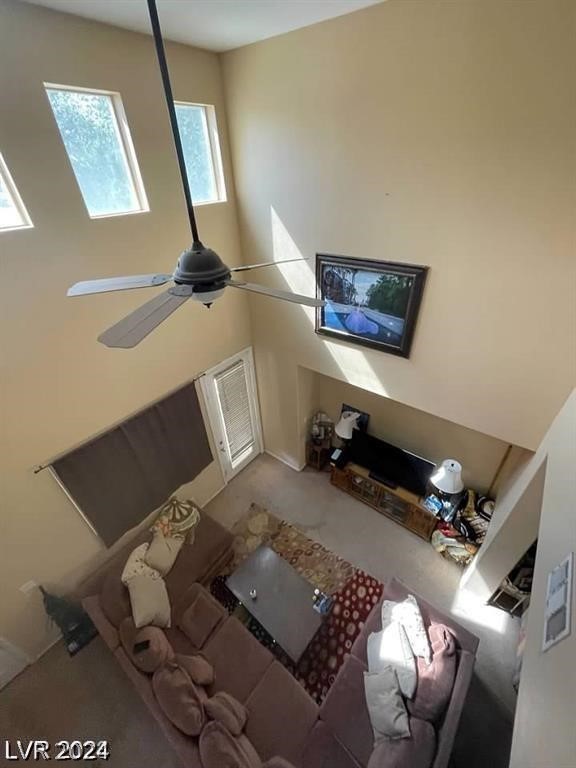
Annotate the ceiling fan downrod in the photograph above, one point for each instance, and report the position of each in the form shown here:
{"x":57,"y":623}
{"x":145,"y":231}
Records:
{"x":163,"y":64}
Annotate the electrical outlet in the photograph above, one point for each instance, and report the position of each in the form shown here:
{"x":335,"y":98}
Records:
{"x":28,"y":588}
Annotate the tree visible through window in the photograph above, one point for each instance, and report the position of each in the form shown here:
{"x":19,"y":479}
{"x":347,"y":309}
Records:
{"x":99,"y":149}
{"x":196,"y":123}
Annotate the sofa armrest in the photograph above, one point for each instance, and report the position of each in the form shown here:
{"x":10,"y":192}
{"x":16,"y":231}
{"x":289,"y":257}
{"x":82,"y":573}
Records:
{"x":447,"y":731}
{"x":106,"y":630}
{"x":277,"y":762}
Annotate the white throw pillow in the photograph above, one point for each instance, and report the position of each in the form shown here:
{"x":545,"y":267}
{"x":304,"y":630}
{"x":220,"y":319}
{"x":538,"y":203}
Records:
{"x":386,"y":708}
{"x":162,"y":552}
{"x":408,"y":614}
{"x":136,"y":565}
{"x":149,"y":601}
{"x":391,"y":647}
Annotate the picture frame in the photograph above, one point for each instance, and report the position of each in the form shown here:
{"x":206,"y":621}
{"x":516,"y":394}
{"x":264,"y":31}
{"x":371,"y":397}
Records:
{"x":370,"y":303}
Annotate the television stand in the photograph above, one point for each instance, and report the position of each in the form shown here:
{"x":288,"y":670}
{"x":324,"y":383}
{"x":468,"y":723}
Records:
{"x":382,"y":480}
{"x":397,"y":503}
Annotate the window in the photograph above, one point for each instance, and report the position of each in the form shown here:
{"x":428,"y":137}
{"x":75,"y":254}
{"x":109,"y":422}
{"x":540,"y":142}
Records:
{"x":95,"y":133}
{"x":13,"y":214}
{"x":197,"y":125}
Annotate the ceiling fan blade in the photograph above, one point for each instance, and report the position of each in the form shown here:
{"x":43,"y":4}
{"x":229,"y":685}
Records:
{"x":130,"y":331}
{"x":296,"y":298}
{"x":117,"y":284}
{"x":266,"y":264}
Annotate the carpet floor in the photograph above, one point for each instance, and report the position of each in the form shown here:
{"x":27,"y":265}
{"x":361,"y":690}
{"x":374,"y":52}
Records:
{"x":89,"y":697}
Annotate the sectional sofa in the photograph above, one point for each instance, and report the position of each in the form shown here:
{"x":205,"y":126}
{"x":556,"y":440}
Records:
{"x":283,"y":721}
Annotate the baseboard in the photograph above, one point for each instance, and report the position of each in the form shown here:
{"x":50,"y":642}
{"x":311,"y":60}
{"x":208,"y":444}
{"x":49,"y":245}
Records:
{"x":205,"y":504}
{"x":291,"y":464}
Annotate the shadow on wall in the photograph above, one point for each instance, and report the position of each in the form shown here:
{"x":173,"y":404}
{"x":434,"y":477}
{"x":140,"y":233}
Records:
{"x":301,"y":278}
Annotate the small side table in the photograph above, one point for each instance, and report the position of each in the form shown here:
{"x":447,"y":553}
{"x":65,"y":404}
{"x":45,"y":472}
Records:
{"x":318,"y":454}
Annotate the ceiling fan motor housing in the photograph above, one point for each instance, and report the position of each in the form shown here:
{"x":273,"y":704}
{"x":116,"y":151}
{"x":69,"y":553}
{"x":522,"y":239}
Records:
{"x":202,"y":268}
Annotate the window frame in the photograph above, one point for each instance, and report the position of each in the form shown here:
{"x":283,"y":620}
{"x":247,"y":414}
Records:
{"x":211,"y":126}
{"x":15,"y":197}
{"x":125,"y":141}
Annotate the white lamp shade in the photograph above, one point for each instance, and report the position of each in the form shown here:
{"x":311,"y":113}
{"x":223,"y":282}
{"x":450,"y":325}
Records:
{"x":346,"y":424}
{"x":448,"y":477}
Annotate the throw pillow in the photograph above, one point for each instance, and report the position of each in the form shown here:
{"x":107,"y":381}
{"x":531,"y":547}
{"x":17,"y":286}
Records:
{"x":200,"y":619}
{"x":386,"y":708}
{"x":149,"y":601}
{"x":219,"y":748}
{"x":277,"y":762}
{"x":415,"y":752}
{"x":391,"y":647}
{"x":228,"y":711}
{"x":177,"y":519}
{"x":436,"y":680}
{"x":136,"y":565}
{"x":162,"y":552}
{"x":181,"y":701}
{"x":199,"y":668}
{"x":158,"y":652}
{"x":408,"y":614}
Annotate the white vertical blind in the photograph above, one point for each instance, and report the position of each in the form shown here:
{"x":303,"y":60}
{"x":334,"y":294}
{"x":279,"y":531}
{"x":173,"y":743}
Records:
{"x":234,"y":401}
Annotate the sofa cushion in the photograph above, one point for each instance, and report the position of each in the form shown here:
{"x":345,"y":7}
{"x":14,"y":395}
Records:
{"x":162,"y":552}
{"x":373,"y":624}
{"x":114,"y":597}
{"x":391,"y":647}
{"x":228,"y":711}
{"x":199,"y":668}
{"x":435,"y":680}
{"x":159,"y":650}
{"x":414,"y":752}
{"x":201,"y":617}
{"x":408,"y":614}
{"x":149,"y":601}
{"x":220,"y":749}
{"x":280,"y":715}
{"x":386,"y":707}
{"x":181,"y":701}
{"x":346,"y":696}
{"x":239,"y":660}
{"x":395,"y":590}
{"x":136,"y":565}
{"x":323,"y":750}
{"x":195,"y":560}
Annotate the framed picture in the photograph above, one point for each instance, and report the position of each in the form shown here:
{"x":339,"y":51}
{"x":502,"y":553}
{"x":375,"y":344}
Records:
{"x":371,"y":303}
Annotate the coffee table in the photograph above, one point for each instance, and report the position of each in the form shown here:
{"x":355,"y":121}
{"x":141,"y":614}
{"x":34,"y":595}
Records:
{"x":283,"y":603}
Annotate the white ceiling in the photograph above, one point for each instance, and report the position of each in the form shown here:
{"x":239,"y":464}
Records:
{"x":218,"y":25}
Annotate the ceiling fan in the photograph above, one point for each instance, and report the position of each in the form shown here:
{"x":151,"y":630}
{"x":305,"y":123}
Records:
{"x":200,"y":273}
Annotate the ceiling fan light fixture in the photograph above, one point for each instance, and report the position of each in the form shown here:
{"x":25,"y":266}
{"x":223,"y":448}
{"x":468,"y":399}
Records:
{"x":199,"y":264}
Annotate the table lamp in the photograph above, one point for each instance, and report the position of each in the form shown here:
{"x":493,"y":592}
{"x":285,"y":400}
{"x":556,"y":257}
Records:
{"x":448,"y":477}
{"x":347,"y":424}
{"x":447,"y":486}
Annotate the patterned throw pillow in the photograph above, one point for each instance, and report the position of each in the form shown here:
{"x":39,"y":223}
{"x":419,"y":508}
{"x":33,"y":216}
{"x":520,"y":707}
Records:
{"x":177,"y":519}
{"x":408,"y":614}
{"x":136,"y":565}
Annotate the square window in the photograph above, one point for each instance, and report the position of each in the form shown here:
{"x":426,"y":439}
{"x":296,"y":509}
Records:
{"x":95,"y":133}
{"x":13,"y":214}
{"x":199,"y":135}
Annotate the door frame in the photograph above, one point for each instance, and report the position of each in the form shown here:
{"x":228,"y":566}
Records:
{"x":214,"y":414}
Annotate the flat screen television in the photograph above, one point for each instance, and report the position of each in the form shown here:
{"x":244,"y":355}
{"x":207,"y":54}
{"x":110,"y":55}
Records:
{"x":389,"y":464}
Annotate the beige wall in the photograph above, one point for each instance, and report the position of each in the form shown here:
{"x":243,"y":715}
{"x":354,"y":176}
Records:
{"x":437,"y":133}
{"x":59,"y":385}
{"x":419,"y":432}
{"x":539,"y":501}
